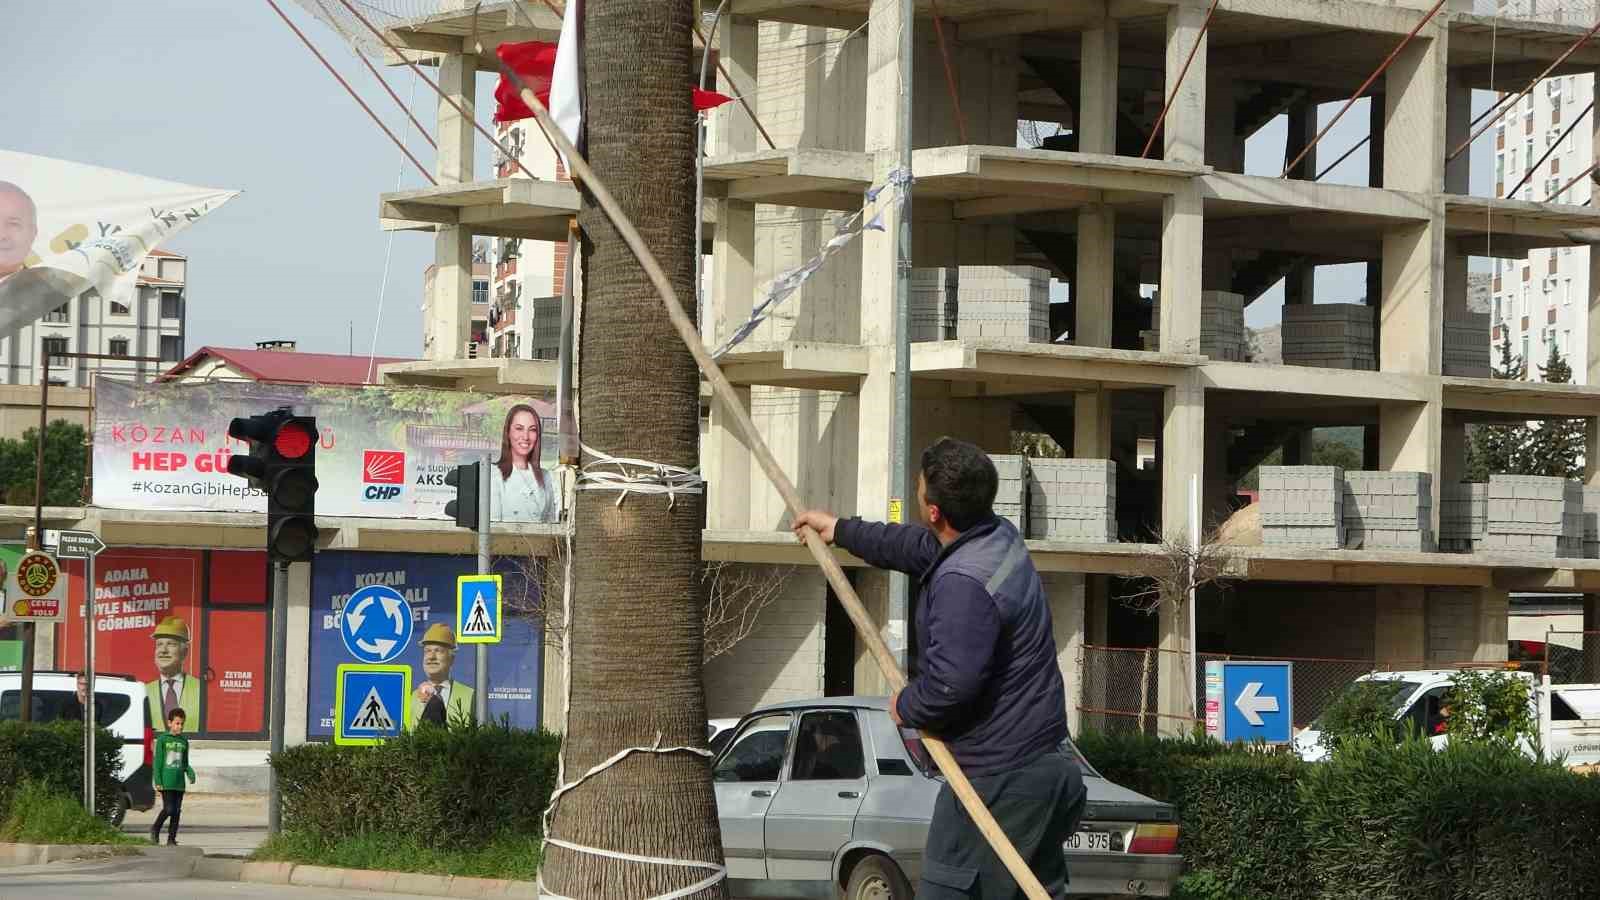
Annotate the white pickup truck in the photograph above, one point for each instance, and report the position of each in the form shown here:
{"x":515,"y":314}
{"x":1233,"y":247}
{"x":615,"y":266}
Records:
{"x":1568,"y":714}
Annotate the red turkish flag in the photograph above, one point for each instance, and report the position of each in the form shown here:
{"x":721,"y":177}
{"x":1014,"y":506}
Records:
{"x":535,"y":63}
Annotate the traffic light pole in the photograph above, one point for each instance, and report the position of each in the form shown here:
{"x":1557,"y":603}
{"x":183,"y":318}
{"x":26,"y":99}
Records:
{"x":480,"y":704}
{"x":280,"y":657}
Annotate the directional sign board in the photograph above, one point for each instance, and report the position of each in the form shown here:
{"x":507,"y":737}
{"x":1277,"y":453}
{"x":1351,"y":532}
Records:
{"x":79,"y":544}
{"x":1250,"y":701}
{"x":37,"y":590}
{"x":376,"y":624}
{"x":478,"y":605}
{"x":369,"y":703}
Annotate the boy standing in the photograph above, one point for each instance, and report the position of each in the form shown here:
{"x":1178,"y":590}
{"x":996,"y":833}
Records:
{"x":170,"y":767}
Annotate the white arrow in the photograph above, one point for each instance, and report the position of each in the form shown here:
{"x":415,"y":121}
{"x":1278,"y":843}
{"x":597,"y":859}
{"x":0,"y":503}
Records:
{"x":391,"y":608}
{"x":382,"y":646}
{"x":1251,"y":705}
{"x":358,"y":615}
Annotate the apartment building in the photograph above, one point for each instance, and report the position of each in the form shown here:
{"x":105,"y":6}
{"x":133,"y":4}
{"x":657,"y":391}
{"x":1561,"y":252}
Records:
{"x":1544,"y":143}
{"x":149,"y":321}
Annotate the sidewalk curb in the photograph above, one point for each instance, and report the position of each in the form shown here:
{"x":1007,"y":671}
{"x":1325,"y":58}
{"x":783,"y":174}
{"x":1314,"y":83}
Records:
{"x":215,"y":868}
{"x":180,"y":858}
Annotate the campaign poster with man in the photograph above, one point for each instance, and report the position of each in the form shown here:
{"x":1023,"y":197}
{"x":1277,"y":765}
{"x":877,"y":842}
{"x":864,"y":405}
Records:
{"x":66,"y":228}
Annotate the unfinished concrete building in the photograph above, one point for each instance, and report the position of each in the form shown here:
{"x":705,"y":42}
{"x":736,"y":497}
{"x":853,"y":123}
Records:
{"x":1142,"y":206}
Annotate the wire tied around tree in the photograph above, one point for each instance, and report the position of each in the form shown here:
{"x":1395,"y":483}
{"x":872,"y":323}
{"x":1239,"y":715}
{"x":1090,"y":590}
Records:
{"x":637,"y":476}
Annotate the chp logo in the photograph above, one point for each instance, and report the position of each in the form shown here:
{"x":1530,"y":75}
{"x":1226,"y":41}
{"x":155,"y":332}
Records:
{"x":383,"y":471}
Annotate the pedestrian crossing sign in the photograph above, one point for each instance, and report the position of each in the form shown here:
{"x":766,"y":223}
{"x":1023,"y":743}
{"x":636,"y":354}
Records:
{"x":478,"y":605}
{"x":369,"y":702}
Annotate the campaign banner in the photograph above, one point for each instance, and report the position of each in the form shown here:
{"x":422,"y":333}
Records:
{"x":437,"y":659}
{"x":384,"y":451}
{"x":67,"y":227}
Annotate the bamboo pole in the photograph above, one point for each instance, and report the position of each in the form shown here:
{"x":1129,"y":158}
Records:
{"x":724,"y":391}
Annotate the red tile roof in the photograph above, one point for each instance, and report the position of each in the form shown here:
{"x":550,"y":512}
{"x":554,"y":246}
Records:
{"x":167,"y":253}
{"x":289,"y":366}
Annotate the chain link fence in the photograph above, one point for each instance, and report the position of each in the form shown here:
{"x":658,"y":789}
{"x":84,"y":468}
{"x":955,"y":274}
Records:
{"x":1572,"y":657}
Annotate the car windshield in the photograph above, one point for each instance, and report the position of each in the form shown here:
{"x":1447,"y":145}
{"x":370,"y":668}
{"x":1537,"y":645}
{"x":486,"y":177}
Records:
{"x":1391,"y":692}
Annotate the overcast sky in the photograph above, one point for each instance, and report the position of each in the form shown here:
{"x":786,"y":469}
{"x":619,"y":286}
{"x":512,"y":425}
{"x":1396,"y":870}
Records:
{"x":220,"y":93}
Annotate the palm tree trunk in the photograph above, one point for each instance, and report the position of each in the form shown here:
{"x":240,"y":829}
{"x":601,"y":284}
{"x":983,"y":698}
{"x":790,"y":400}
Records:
{"x":637,"y":622}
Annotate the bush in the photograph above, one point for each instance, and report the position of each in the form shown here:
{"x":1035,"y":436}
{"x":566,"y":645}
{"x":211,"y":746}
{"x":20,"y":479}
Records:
{"x":1364,"y":710}
{"x":460,"y":788}
{"x":507,"y":857}
{"x":1150,"y":765}
{"x":42,"y":815}
{"x":52,"y":754}
{"x":1489,"y":706}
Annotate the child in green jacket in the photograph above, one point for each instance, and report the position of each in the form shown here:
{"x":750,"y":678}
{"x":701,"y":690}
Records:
{"x":170,"y":767}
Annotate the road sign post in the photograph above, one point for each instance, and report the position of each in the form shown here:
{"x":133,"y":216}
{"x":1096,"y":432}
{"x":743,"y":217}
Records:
{"x":1250,"y":701}
{"x":480,"y":710}
{"x":369,"y":704}
{"x":280,"y":668}
{"x":85,"y":545}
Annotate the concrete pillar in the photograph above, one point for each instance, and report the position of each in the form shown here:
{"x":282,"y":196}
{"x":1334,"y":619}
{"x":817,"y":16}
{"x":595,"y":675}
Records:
{"x":1091,"y":424}
{"x":1377,"y":116}
{"x":296,"y":686}
{"x":733,"y":283}
{"x":1182,"y":233}
{"x":883,"y":134}
{"x":1400,"y":638}
{"x":1493,"y":609}
{"x":1410,"y":439}
{"x":1224,"y":145}
{"x":1458,"y":121}
{"x":1302,"y":129}
{"x":447,"y":323}
{"x":872,"y":586}
{"x":1097,"y":89}
{"x":1185,"y":126}
{"x":553,"y":695}
{"x":1183,"y":430}
{"x":1091,"y":291}
{"x":1065,"y":592}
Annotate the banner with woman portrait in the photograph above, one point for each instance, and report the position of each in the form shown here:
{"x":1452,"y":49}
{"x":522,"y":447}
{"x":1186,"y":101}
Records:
{"x":67,"y":227}
{"x":384,"y":453}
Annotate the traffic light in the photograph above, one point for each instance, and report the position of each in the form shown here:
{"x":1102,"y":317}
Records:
{"x":283,"y":465}
{"x":464,"y":508}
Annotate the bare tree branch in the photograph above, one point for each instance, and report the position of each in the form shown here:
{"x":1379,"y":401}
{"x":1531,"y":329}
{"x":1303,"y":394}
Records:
{"x":735,"y":597}
{"x":1169,"y":575}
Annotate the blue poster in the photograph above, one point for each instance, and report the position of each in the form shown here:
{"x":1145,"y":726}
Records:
{"x":442,"y":666}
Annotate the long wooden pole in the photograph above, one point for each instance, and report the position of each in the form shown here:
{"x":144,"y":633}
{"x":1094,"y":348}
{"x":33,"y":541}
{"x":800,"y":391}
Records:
{"x":724,"y":391}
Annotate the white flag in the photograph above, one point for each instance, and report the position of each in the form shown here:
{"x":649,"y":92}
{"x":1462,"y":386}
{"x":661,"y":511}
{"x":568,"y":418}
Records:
{"x":566,"y":82}
{"x":67,"y":227}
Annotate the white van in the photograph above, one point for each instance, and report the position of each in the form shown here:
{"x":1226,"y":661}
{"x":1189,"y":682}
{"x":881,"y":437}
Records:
{"x":119,"y":707}
{"x":1568,"y":715}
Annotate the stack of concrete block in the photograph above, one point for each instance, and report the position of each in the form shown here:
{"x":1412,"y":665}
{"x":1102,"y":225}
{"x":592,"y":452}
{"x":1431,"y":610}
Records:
{"x":1302,"y":506}
{"x":1463,"y":516}
{"x":1330,"y":335}
{"x":1222,"y":331}
{"x":1388,"y":511}
{"x":1591,"y":523}
{"x":1570,"y":546}
{"x":1007,"y":302}
{"x":1011,"y":501}
{"x":1466,"y":345}
{"x":1528,"y":514}
{"x":933,"y":304}
{"x":544,"y":331}
{"x":1073,"y":500}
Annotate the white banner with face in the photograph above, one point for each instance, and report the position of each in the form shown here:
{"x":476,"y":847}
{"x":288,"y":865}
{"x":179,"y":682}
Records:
{"x":67,"y":227}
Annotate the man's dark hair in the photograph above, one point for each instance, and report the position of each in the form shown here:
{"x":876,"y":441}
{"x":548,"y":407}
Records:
{"x":961,"y":481}
{"x":177,"y":713}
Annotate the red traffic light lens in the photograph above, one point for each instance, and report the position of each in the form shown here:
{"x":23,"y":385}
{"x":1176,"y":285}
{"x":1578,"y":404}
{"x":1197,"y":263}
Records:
{"x":293,"y":440}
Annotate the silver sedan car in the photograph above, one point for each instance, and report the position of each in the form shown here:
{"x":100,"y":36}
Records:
{"x":823,"y":798}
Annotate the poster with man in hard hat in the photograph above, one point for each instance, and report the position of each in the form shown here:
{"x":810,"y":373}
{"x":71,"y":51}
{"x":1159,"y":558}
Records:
{"x":438,"y":662}
{"x":173,"y":688}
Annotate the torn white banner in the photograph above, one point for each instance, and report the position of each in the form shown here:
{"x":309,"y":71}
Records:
{"x":67,"y":227}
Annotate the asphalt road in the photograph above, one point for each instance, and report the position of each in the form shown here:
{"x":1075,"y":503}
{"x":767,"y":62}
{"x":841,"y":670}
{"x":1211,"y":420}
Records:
{"x":146,"y":878}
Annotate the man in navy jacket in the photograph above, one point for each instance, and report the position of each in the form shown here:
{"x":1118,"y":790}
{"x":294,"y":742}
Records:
{"x":984,"y":678}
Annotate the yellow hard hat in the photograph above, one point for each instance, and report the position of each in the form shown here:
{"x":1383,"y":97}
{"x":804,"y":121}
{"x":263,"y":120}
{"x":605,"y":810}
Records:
{"x":439,"y":633}
{"x":172,"y":627}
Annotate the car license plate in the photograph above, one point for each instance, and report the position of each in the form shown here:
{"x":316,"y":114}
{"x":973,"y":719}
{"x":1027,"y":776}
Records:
{"x":1089,"y":840}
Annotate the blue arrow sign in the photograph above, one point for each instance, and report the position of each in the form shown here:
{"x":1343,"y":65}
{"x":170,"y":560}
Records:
{"x":369,"y":703}
{"x":376,"y":624}
{"x":478,"y":607}
{"x":1257,"y":703}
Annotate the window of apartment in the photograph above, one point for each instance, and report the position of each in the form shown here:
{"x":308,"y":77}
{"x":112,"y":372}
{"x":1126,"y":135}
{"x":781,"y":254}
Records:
{"x":171,"y":305}
{"x":1553,"y":87}
{"x":171,"y":348}
{"x":480,"y":291}
{"x":118,"y":347}
{"x":1514,"y":166}
{"x":58,"y":316}
{"x":1566,"y":341}
{"x":1499,"y":169}
{"x":1525,"y":353}
{"x":120,"y":309}
{"x":1566,"y":292}
{"x":53,"y":347}
{"x":1527,"y":152}
{"x":1498,"y":312}
{"x":1523,"y":308}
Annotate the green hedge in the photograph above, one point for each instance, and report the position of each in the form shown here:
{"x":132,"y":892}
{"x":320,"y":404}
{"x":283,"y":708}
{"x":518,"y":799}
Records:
{"x":460,"y":787}
{"x":51,"y":754}
{"x":1473,"y":821}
